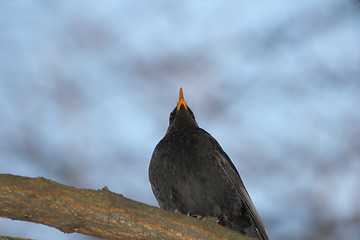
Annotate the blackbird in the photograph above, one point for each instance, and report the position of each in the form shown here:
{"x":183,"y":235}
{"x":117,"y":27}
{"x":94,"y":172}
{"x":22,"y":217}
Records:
{"x":190,"y":173}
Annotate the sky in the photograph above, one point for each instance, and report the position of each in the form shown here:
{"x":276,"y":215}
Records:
{"x":86,"y":89}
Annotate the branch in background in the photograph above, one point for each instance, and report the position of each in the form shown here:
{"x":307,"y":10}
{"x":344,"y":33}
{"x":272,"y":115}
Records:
{"x":99,"y":213}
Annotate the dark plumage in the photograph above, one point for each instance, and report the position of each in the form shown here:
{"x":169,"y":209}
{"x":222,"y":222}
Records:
{"x":190,"y":172}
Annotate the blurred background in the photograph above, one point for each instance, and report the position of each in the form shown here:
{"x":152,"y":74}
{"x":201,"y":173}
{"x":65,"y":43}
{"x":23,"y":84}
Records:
{"x":86,"y":88}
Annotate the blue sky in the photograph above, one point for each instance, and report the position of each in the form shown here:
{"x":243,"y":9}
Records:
{"x":86,"y":88}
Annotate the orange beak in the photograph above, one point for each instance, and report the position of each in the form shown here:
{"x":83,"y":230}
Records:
{"x":181,"y":101}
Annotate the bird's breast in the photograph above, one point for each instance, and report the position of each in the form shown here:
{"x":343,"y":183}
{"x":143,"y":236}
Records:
{"x":185,"y":170}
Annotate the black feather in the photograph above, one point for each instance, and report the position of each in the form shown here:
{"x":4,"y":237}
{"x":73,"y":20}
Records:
{"x":190,"y":173}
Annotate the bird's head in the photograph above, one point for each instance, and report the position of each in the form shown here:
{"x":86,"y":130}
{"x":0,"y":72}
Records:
{"x":181,"y":116}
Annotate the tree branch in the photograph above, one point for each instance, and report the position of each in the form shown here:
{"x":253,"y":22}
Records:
{"x":99,"y":213}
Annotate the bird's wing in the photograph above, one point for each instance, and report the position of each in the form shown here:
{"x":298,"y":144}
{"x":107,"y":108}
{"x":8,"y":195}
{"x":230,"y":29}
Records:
{"x":235,"y":178}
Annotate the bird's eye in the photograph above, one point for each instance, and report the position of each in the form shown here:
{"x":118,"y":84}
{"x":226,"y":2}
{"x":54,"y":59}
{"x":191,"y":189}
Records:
{"x":171,"y":117}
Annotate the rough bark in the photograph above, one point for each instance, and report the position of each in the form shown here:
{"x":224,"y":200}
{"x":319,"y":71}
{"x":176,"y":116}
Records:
{"x":98,"y":213}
